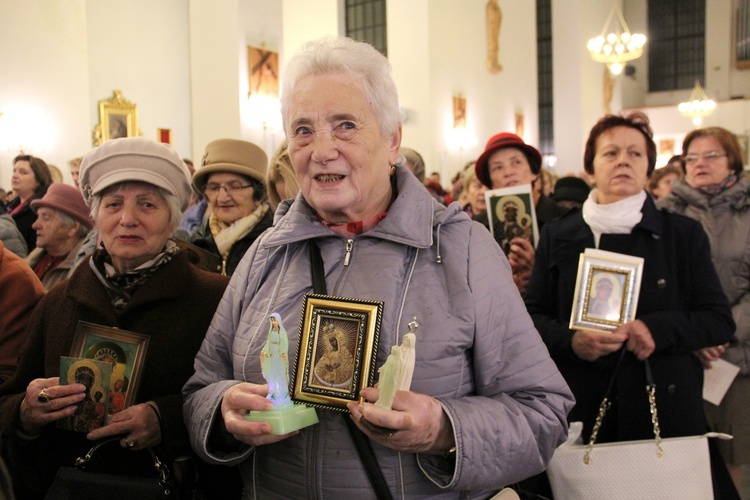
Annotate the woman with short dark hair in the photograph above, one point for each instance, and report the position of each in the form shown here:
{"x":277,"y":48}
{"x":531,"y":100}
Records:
{"x":681,"y":306}
{"x":31,"y":178}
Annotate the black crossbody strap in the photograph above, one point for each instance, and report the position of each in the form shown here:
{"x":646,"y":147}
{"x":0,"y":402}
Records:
{"x":364,"y":447}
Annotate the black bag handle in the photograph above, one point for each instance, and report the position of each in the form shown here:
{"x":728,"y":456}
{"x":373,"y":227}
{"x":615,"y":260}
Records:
{"x":364,"y":447}
{"x":605,"y":404}
{"x":161,"y":468}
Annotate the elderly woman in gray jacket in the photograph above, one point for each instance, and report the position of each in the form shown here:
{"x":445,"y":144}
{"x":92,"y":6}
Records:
{"x":487,"y":406}
{"x":714,"y":193}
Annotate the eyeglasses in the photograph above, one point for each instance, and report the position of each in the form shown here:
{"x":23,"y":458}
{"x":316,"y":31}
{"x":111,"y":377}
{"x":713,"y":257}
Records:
{"x":708,"y":157}
{"x":231,"y":188}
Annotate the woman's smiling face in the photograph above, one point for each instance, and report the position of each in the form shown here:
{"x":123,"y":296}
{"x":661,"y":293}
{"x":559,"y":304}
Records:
{"x":341,"y":157}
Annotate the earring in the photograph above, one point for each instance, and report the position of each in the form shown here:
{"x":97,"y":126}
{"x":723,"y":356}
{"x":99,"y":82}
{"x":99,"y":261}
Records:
{"x":392,"y":171}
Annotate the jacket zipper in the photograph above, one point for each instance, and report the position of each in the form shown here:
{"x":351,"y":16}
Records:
{"x":349,"y":245}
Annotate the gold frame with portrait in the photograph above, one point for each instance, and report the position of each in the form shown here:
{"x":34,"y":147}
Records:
{"x":622,"y":273}
{"x":326,"y":323}
{"x":102,"y":343}
{"x":116,"y":112}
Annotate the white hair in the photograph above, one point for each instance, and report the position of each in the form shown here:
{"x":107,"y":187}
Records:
{"x":331,"y":55}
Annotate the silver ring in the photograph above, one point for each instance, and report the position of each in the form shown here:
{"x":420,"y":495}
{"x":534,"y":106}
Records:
{"x":43,"y":397}
{"x":389,"y":435}
{"x":130,"y":443}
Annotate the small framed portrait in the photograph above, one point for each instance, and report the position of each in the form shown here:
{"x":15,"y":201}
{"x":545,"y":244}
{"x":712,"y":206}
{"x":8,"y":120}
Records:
{"x":336,"y":350}
{"x":459,"y":111}
{"x":511,"y":214}
{"x":607,"y":289}
{"x":118,"y":118}
{"x":125,"y":351}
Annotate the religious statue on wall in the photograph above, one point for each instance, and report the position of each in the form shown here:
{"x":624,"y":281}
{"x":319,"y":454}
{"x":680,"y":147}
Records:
{"x":494,"y":20}
{"x":608,"y":83}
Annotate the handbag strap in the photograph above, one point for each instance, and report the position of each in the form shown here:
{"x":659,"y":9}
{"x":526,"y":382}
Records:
{"x":161,"y":468}
{"x":364,"y":447}
{"x":606,"y":403}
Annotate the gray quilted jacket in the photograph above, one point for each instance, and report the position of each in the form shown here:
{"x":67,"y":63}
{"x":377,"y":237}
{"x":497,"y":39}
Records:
{"x":726,"y":219}
{"x":477,"y":352}
{"x":11,"y":237}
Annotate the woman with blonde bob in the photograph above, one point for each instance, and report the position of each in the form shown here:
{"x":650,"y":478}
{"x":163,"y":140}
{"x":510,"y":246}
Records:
{"x":484,"y":389}
{"x":280,"y":177}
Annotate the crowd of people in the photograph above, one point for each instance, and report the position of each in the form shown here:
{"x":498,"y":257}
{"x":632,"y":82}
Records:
{"x":342,"y":209}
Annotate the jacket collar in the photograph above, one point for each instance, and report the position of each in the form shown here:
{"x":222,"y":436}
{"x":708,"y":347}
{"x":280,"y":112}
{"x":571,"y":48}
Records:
{"x":650,"y":222}
{"x":410,"y":220}
{"x":736,"y":196}
{"x":173,"y":280}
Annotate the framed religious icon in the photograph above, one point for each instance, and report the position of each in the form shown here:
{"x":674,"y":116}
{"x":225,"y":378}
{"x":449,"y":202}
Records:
{"x":336,"y":350}
{"x":125,"y":351}
{"x":459,"y":111}
{"x":607,"y":290}
{"x":91,"y":412}
{"x":511,"y":215}
{"x":118,"y":118}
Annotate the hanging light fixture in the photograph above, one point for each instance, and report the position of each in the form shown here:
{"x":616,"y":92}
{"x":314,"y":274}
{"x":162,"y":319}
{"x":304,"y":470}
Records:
{"x":615,"y":46}
{"x":698,"y":106}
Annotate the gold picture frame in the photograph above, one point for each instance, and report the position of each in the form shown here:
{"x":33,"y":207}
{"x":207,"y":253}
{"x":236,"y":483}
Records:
{"x":607,"y":290}
{"x":125,"y":350}
{"x":118,"y":118}
{"x":336,"y":350}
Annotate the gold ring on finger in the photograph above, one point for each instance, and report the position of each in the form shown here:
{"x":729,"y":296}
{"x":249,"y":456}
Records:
{"x":43,"y":397}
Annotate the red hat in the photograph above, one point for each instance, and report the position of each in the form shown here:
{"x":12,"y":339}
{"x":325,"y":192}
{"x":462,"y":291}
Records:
{"x":67,"y":200}
{"x":506,"y":140}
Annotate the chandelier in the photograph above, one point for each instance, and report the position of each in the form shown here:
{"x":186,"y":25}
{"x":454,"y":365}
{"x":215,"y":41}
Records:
{"x":698,"y":106}
{"x":616,"y":46}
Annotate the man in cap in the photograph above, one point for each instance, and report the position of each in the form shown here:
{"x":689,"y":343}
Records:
{"x":62,"y":223}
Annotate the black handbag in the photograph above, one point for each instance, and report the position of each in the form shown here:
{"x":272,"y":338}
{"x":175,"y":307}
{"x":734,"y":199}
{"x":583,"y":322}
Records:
{"x":80,"y":484}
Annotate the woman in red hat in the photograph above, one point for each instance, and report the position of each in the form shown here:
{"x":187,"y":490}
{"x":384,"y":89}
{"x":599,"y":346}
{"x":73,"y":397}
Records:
{"x":508,"y":161}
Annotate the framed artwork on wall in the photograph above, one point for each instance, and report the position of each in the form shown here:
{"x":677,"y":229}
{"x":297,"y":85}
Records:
{"x":118,"y":118}
{"x":264,"y":71}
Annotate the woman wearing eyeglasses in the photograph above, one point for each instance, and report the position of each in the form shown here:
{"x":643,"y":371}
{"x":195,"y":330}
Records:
{"x":714,"y":193}
{"x":231,"y":177}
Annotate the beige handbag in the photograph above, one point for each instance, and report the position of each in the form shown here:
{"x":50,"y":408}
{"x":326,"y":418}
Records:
{"x":673,"y":468}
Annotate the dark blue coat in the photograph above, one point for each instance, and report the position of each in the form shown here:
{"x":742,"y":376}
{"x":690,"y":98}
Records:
{"x":681,"y":302}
